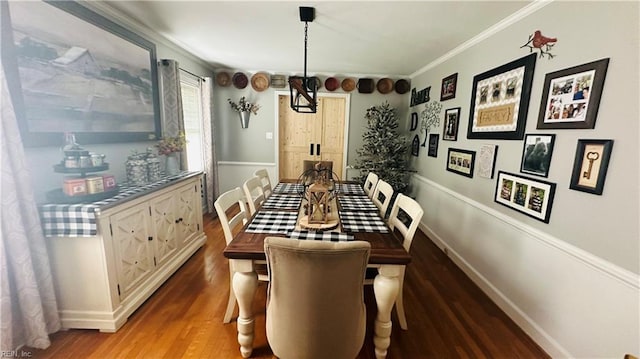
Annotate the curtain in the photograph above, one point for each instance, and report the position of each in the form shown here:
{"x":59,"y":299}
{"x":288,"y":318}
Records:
{"x":208,"y":142}
{"x":172,"y":120}
{"x":28,"y":308}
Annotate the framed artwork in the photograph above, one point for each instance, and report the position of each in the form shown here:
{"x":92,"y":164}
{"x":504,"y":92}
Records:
{"x":529,"y":196}
{"x":500,"y":100}
{"x":449,"y":85}
{"x":414,"y":121}
{"x":590,"y":165}
{"x":451,"y":122}
{"x":73,"y":77}
{"x":487,"y":160}
{"x":461,"y":161}
{"x":433,"y":145}
{"x":536,"y":154}
{"x":415,"y":146}
{"x":571,"y":96}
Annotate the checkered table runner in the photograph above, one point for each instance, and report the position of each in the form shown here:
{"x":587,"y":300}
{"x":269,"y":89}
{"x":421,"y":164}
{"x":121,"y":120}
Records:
{"x":273,"y":222}
{"x":356,"y":203}
{"x":362,"y":222}
{"x":321,"y":236}
{"x":282,"y":201}
{"x":350,"y":188}
{"x":288,"y":188}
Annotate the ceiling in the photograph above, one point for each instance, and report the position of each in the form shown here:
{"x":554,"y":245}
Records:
{"x":384,"y":38}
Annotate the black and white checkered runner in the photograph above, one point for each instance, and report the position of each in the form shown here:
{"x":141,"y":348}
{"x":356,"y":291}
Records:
{"x":350,"y":188}
{"x":356,"y":203}
{"x":321,"y":236}
{"x":288,"y":188}
{"x":362,"y":222}
{"x":282,"y":201}
{"x":273,"y":222}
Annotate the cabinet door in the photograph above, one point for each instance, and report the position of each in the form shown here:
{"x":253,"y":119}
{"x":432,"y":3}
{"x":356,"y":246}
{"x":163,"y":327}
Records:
{"x":165,"y":223}
{"x":133,"y":248}
{"x":189,"y":208}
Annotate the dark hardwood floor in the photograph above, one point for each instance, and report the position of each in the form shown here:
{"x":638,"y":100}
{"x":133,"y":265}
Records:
{"x":448,"y":316}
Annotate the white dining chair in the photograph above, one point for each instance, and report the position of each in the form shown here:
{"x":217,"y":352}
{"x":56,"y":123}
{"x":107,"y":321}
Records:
{"x":370,"y":184}
{"x":267,"y":188}
{"x":254,"y":193}
{"x":382,"y":197}
{"x":405,"y":217}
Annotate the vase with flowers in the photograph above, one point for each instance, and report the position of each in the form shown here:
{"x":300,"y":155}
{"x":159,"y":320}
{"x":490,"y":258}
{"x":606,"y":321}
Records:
{"x":170,"y":148}
{"x":244,"y":109}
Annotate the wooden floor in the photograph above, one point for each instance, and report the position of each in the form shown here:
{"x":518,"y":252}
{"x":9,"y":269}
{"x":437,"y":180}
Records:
{"x":448,"y":316}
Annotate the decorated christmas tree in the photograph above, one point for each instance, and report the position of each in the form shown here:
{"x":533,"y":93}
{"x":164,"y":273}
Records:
{"x":384,"y":151}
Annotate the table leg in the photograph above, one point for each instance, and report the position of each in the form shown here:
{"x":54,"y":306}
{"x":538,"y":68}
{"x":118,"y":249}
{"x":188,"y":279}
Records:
{"x":385,"y":288}
{"x":245,"y":284}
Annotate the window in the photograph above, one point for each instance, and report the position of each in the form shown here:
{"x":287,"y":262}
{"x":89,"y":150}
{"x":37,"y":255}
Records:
{"x":192,"y":112}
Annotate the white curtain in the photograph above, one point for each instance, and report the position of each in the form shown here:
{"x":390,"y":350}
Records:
{"x":172,"y":117}
{"x":208,"y":142}
{"x":27,"y":299}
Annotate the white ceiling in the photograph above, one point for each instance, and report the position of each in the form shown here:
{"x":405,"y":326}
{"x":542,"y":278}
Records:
{"x":384,"y":38}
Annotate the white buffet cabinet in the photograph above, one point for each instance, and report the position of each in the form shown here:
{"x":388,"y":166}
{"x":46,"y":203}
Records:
{"x":101,"y":280}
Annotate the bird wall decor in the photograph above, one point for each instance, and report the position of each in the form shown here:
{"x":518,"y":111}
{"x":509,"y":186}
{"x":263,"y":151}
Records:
{"x":541,"y":43}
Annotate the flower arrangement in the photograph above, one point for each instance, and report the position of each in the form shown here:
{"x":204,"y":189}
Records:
{"x":168,"y":145}
{"x":243,"y":105}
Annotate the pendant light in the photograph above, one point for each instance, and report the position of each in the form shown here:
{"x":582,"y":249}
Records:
{"x":304,"y":90}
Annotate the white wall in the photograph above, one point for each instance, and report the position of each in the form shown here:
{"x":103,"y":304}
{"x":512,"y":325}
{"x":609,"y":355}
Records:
{"x":571,"y":284}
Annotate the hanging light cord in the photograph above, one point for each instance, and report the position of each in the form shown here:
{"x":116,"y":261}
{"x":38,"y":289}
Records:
{"x":306,"y":26}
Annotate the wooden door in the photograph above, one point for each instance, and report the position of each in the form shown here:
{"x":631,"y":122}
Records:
{"x":332,"y":138}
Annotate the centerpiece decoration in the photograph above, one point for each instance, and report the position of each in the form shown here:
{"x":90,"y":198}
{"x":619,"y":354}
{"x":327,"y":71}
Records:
{"x":244,"y":109}
{"x":170,"y":147}
{"x":319,"y":192}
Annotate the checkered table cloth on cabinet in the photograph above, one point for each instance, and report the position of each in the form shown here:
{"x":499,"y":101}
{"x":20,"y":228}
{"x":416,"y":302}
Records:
{"x":350,"y":188}
{"x":356,"y":203}
{"x":362,"y":222}
{"x":282,"y":201}
{"x":321,"y":236}
{"x":273,"y":222}
{"x":288,"y":188}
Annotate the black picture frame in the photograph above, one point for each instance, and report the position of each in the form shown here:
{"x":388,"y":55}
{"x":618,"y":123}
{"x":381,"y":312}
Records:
{"x":449,"y":86}
{"x":461,"y":161}
{"x":532,"y":197}
{"x":565,"y":104}
{"x":85,"y":86}
{"x":501,"y":114}
{"x":433,"y":145}
{"x":487,"y":156}
{"x":451,"y":124}
{"x":415,"y":146}
{"x":536,"y":153}
{"x":591,"y":156}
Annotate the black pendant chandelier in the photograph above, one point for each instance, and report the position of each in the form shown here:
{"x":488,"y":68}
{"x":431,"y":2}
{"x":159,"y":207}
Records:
{"x":304,"y":90}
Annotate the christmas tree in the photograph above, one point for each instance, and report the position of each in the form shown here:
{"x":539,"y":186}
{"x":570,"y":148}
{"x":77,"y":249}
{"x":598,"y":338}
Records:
{"x":384,"y":151}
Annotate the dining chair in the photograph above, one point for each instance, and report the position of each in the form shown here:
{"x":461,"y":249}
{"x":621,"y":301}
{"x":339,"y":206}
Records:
{"x":265,"y":181}
{"x":382,"y":197}
{"x":405,"y":217}
{"x":370,"y":184}
{"x":315,"y":301}
{"x":254,"y":193}
{"x":230,"y":218}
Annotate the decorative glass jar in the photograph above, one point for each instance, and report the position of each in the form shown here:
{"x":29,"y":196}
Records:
{"x":136,"y":167}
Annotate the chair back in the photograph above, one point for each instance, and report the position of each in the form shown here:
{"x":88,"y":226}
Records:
{"x":370,"y":184}
{"x":405,"y":217}
{"x":382,"y":197}
{"x":315,"y":301}
{"x":224,"y":204}
{"x":265,"y":181}
{"x":254,"y":193}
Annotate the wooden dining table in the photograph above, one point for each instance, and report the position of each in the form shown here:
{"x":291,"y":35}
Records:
{"x":387,"y":255}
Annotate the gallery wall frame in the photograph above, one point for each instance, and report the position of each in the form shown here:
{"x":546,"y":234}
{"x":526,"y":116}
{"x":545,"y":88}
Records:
{"x":451,"y":124}
{"x":433,"y":145}
{"x":590,"y":165}
{"x":536,"y":153}
{"x":487,"y":160}
{"x":529,"y":196}
{"x":571,"y":96}
{"x":500,"y":100}
{"x":74,"y":77}
{"x":448,"y":88}
{"x":461,"y":161}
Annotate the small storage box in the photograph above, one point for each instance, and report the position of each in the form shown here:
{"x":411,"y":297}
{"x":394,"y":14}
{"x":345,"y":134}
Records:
{"x":95,"y":184}
{"x":75,"y":187}
{"x":109,"y":182}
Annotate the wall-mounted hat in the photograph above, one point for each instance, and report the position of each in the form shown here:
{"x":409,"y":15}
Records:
{"x":278,"y":81}
{"x":365,"y":85}
{"x":318,"y":82}
{"x":240,"y":80}
{"x":331,"y":84}
{"x":260,"y":81}
{"x":402,"y":86}
{"x":385,"y":85}
{"x":348,"y":84}
{"x":223,"y":79}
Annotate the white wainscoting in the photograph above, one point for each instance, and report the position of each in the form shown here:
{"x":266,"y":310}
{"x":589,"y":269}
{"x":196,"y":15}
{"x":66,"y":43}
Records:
{"x":572,"y":303}
{"x":233,"y":174}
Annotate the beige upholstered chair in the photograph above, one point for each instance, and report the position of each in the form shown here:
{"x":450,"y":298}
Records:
{"x":266,"y":182}
{"x":382,"y":197}
{"x":315,"y":302}
{"x":370,"y":184}
{"x":405,"y":217}
{"x":254,"y":193}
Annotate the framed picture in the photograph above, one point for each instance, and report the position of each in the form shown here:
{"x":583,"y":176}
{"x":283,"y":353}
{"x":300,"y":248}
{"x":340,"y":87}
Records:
{"x":414,"y":121}
{"x":536,"y":154}
{"x":433,"y":145}
{"x":461,"y":161}
{"x":500,"y":100}
{"x":449,"y":84}
{"x":415,"y":146}
{"x":590,"y":165}
{"x":451,"y":122}
{"x":487,"y":160}
{"x":529,"y":196}
{"x":73,"y":77}
{"x":571,"y":96}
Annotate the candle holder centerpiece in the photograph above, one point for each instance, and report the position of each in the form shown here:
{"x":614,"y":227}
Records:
{"x":319,"y":192}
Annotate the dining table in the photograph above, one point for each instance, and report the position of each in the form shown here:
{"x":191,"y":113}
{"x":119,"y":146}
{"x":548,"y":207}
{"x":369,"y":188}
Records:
{"x":279,"y":216}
